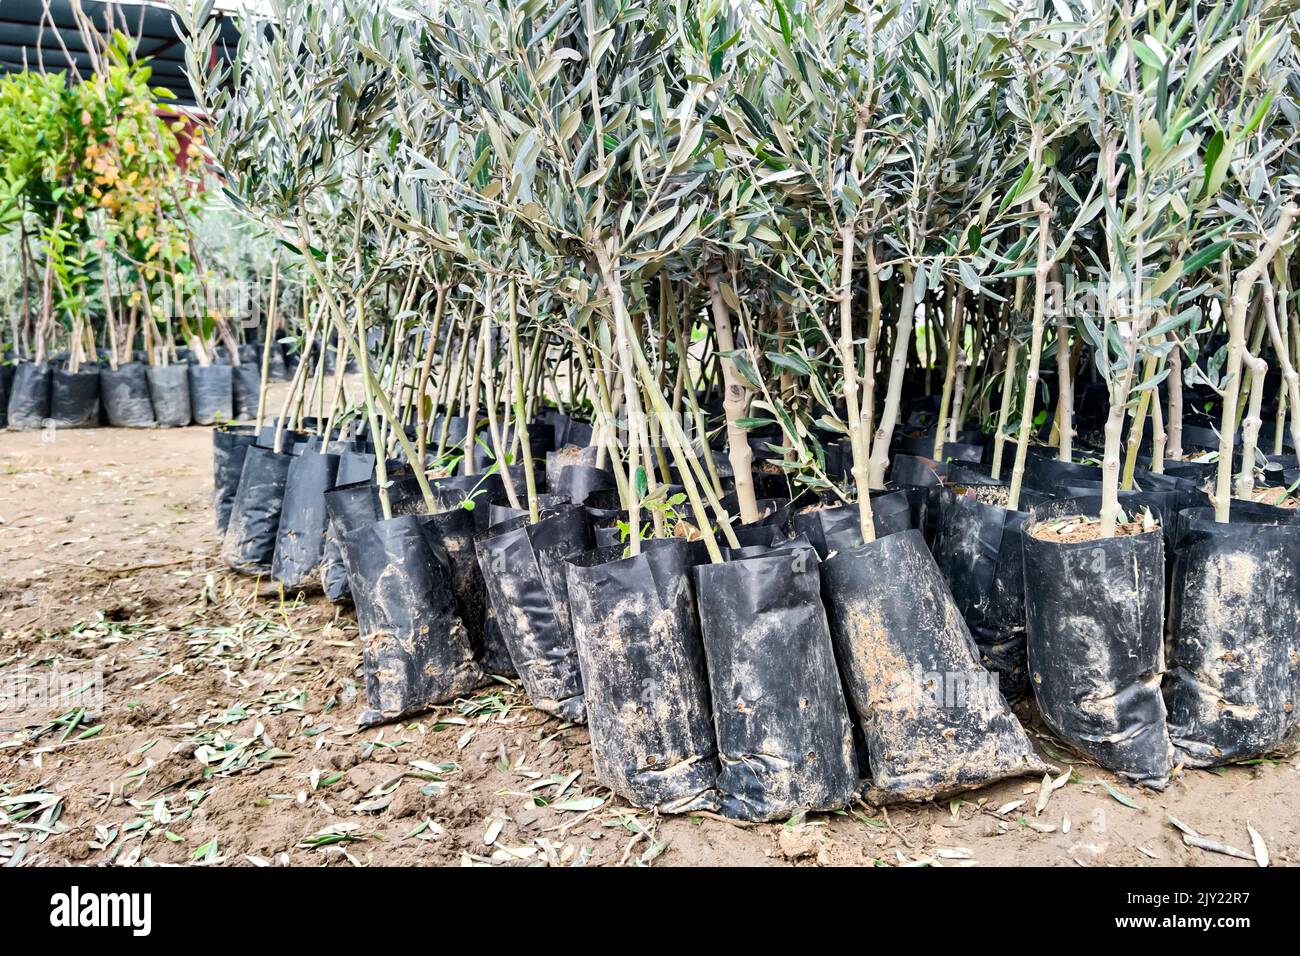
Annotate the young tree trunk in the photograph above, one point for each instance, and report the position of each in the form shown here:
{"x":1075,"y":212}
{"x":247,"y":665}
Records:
{"x":1174,"y":417}
{"x":956,"y":320}
{"x":1004,"y":409}
{"x":471,"y":414}
{"x":894,"y":390}
{"x":1035,"y":356}
{"x":735,"y":405}
{"x":1250,"y":427}
{"x":1064,"y":373}
{"x":849,"y":359}
{"x":1242,"y":290}
{"x":1273,"y":304}
{"x":266,"y":346}
{"x":521,"y":418}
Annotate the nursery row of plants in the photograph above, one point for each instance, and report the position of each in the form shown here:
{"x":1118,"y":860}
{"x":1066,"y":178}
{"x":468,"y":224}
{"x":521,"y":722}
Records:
{"x":782,"y":389}
{"x":130,"y":298}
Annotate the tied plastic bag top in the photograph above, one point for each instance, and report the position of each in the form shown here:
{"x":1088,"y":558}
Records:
{"x":782,"y":725}
{"x":1095,"y":639}
{"x":1233,"y":678}
{"x":416,"y":649}
{"x":643,"y":672}
{"x":933,"y":719}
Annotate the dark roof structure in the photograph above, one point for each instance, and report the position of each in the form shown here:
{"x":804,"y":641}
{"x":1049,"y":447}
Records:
{"x":36,"y":34}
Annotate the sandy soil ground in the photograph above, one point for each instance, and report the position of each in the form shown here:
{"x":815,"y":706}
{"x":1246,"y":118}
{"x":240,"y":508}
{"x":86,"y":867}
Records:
{"x":227,"y":734}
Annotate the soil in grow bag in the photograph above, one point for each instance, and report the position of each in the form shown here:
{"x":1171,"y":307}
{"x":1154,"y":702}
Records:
{"x":933,"y":718}
{"x":29,"y":396}
{"x":125,"y":394}
{"x":567,"y":455}
{"x":523,"y":569}
{"x":246,"y":387}
{"x":169,"y":392}
{"x":300,"y":537}
{"x":1232,"y":676}
{"x":74,"y":398}
{"x":229,"y":446}
{"x":782,"y":724}
{"x":980,"y":554}
{"x":642,"y":664}
{"x":249,"y":544}
{"x":416,"y":650}
{"x":211,"y":394}
{"x":1094,"y":626}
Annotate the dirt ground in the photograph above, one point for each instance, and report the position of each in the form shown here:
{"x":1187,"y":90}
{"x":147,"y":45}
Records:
{"x":227,"y":734}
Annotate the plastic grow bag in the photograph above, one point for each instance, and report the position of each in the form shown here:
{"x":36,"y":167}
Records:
{"x":354,"y":466}
{"x":29,"y":396}
{"x":6,"y":379}
{"x":125,"y":394}
{"x":478,"y":490}
{"x":979,"y":551}
{"x":567,"y":455}
{"x":246,"y":388}
{"x":249,"y":544}
{"x":348,"y":506}
{"x":229,"y":446}
{"x":500,"y":509}
{"x":577,"y":483}
{"x":1094,"y":628}
{"x":523,"y":571}
{"x":74,"y":397}
{"x":1233,"y":673}
{"x":1047,"y":474}
{"x":837,"y":528}
{"x":784,"y":740}
{"x":642,"y":661}
{"x":169,"y":393}
{"x":454,"y":525}
{"x":300,"y":536}
{"x":211,"y":394}
{"x":933,"y":718}
{"x":416,"y":651}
